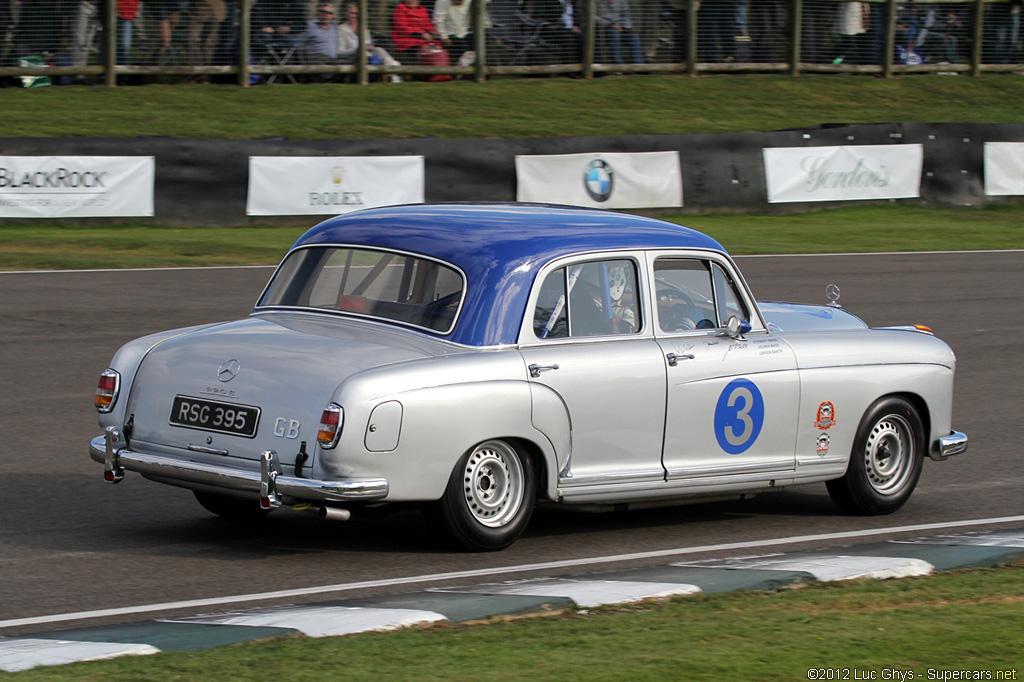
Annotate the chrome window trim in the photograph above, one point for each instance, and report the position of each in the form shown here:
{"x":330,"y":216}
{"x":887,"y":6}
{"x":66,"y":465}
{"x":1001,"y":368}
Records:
{"x":758,"y":324}
{"x":350,"y":314}
{"x":527,"y":335}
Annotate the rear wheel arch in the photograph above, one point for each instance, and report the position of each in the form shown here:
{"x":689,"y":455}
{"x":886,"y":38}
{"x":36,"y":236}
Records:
{"x":491,"y":494}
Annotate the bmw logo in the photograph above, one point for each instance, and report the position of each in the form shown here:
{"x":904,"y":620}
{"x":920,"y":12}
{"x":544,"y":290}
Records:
{"x":598,"y":179}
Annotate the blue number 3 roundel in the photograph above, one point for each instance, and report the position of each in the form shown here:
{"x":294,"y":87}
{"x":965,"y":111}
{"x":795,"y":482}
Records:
{"x":739,"y":416}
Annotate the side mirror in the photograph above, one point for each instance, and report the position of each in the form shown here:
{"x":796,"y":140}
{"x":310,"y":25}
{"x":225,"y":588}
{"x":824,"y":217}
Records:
{"x":735,"y":328}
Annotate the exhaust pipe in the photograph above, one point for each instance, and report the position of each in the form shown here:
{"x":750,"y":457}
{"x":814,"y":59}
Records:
{"x":335,"y":514}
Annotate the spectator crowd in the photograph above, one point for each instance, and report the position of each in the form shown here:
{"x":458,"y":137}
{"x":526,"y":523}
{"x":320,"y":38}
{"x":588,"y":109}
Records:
{"x":517,"y":32}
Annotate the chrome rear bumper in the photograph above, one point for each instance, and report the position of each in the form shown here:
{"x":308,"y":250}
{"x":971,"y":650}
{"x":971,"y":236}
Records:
{"x":269,"y":482}
{"x":947,"y":446}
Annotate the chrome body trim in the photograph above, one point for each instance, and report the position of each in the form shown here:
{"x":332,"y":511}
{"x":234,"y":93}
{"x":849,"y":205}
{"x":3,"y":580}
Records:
{"x":947,"y":446}
{"x":184,"y":472}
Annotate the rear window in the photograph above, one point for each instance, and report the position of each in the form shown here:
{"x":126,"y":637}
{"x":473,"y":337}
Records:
{"x":387,"y":285}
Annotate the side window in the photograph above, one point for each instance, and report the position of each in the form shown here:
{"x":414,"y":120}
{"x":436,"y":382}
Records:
{"x":589,"y":299}
{"x":685,"y":296}
{"x":729,"y":302}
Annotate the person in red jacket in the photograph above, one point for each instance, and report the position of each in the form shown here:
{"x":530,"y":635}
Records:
{"x":411,"y":30}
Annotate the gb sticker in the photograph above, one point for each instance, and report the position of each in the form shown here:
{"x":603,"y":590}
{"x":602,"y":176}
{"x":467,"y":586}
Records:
{"x":739,"y":416}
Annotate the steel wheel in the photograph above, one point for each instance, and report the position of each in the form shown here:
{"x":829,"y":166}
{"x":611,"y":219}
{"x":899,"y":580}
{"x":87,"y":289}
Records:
{"x":886,"y":460}
{"x":490,"y":496}
{"x":889,"y":455}
{"x":493,"y":483}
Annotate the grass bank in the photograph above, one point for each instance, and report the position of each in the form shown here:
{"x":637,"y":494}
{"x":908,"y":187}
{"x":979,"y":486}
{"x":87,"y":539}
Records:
{"x":38,"y":246}
{"x":931,"y":627}
{"x":508,"y":108}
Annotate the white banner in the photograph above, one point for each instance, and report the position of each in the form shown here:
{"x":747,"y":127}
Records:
{"x":843,"y":173}
{"x":1004,"y":168}
{"x":329,"y":185}
{"x":648,"y":180}
{"x":76,"y":186}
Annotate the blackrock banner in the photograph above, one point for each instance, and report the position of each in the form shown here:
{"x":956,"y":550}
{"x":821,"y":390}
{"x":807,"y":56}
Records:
{"x":1004,"y":168}
{"x":645,"y":180}
{"x":843,"y":173}
{"x":329,"y":185}
{"x":76,"y":186}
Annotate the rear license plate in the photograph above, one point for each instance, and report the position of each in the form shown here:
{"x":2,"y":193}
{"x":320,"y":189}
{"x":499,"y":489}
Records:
{"x":207,"y":415}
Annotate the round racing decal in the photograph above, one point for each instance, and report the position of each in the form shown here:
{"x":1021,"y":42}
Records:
{"x":739,"y":416}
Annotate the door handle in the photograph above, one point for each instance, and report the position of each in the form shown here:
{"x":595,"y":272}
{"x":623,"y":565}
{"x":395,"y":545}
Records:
{"x":674,"y":358}
{"x":535,"y":370}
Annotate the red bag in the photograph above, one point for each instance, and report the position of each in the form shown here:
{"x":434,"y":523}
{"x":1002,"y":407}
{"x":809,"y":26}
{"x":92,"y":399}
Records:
{"x":432,"y":54}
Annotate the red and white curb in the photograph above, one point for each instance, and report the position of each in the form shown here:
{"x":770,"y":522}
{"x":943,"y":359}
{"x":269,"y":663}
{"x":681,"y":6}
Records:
{"x":322,"y":621}
{"x":826,"y":567}
{"x":21,"y":654}
{"x":585,"y":593}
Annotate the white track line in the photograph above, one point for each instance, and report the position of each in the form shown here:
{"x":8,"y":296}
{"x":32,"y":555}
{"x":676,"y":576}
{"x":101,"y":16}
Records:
{"x":485,"y":572}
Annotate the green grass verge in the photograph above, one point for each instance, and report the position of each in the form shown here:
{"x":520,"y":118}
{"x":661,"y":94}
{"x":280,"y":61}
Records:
{"x":35,"y":246}
{"x":509,"y":108}
{"x":966,"y":620}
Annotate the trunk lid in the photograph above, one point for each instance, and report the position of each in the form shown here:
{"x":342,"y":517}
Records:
{"x":282,"y":366}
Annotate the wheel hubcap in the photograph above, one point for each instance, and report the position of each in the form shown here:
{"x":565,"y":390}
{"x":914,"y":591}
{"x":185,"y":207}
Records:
{"x":493,"y":484}
{"x":889,"y":455}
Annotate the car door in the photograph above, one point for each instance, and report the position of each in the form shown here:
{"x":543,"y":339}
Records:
{"x":590,"y":342}
{"x":732,"y":402}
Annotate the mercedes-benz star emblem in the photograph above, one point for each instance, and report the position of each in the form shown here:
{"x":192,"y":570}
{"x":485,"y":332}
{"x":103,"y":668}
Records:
{"x":229,"y":370}
{"x":832,"y":293}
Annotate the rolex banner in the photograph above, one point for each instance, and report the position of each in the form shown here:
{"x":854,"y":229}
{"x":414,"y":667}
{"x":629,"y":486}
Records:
{"x":329,"y":185}
{"x":646,"y":180}
{"x":1004,"y":168}
{"x":76,"y":186}
{"x":851,"y":173}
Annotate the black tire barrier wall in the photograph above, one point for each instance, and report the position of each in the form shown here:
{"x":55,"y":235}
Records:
{"x":204,"y":182}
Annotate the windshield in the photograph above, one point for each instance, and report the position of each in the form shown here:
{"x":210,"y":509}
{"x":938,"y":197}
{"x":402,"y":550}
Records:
{"x":388,"y":285}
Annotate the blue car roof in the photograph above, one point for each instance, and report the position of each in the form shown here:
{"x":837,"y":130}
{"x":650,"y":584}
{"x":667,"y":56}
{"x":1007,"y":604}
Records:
{"x":500,"y":248}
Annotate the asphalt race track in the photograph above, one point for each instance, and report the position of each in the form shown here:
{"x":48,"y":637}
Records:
{"x":70,"y":543}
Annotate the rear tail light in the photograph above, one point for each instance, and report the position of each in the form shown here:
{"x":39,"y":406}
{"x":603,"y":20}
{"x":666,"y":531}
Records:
{"x":330,"y":426}
{"x":106,"y":391}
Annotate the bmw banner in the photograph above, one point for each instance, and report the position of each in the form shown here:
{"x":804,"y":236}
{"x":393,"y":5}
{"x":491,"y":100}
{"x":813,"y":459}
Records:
{"x":644,"y":180}
{"x":76,"y":186}
{"x":856,"y":172}
{"x":1004,"y":168}
{"x":330,"y":185}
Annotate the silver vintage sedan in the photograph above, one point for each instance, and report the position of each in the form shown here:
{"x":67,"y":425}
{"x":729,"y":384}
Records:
{"x":475,"y":359}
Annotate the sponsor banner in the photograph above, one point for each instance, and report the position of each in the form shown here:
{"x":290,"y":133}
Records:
{"x":648,"y":180}
{"x":1004,"y":168}
{"x":329,"y":185}
{"x":843,"y":173}
{"x":76,"y":186}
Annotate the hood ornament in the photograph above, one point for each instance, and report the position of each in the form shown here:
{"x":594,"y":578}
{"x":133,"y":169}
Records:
{"x":832,"y":294}
{"x":228,"y":370}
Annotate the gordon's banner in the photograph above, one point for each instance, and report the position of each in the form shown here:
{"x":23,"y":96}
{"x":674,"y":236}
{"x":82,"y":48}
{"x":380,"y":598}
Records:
{"x":646,"y":180}
{"x":329,"y":185}
{"x":76,"y":186}
{"x":1004,"y":168}
{"x":843,"y":173}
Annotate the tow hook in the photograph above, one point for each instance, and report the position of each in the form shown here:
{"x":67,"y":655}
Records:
{"x":300,"y":459}
{"x":112,"y":470}
{"x":268,"y":481}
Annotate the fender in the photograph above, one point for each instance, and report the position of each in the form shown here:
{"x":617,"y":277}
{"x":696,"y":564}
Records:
{"x":438,"y":425}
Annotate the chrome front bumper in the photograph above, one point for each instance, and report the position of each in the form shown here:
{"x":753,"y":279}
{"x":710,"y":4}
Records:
{"x":947,"y":446}
{"x":270,"y":483}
